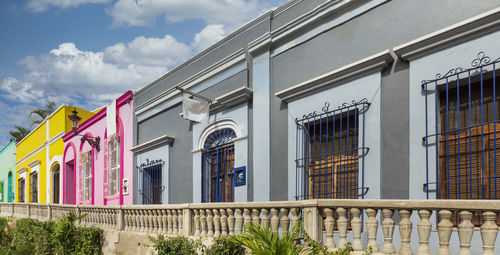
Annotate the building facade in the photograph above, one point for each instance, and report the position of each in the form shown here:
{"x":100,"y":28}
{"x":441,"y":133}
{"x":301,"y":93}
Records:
{"x":101,"y":176}
{"x":39,"y":157}
{"x":360,"y":99}
{"x":8,"y":172}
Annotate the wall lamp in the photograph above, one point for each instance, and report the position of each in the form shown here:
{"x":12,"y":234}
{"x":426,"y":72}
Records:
{"x":75,"y":120}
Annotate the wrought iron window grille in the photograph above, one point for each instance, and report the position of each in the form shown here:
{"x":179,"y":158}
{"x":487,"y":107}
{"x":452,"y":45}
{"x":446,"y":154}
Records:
{"x":465,"y":117}
{"x":328,"y":155}
{"x":150,"y":175}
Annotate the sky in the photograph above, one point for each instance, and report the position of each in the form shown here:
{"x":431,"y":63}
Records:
{"x":88,"y":52}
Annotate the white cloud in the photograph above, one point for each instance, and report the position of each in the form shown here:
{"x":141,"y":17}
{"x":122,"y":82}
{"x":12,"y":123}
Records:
{"x":208,"y":36}
{"x":144,"y":12}
{"x":43,"y":5}
{"x":20,"y":91}
{"x":166,"y":51}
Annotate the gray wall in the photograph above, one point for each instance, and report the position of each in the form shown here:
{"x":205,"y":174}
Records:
{"x":171,"y":124}
{"x":388,"y":25}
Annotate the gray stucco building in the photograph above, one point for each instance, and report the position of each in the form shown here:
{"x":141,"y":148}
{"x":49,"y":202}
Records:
{"x":331,"y":99}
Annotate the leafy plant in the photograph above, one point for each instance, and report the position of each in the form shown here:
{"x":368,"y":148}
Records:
{"x":224,"y":246}
{"x":262,"y":241}
{"x":175,"y":245}
{"x":89,"y":241}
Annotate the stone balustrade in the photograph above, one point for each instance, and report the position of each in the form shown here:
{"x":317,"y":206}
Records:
{"x":364,"y":223}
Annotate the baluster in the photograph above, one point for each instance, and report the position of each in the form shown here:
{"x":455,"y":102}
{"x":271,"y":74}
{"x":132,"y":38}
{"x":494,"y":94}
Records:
{"x":141,"y":221}
{"x":170,"y":221}
{"x":230,"y":221}
{"x":148,"y":221}
{"x":295,"y":217}
{"x":248,"y":218}
{"x":465,"y":232}
{"x":175,"y":223}
{"x":265,"y":218}
{"x":372,"y":228}
{"x":203,"y":222}
{"x":424,"y":232}
{"x":216,"y":223}
{"x":180,"y":218}
{"x":388,"y":229}
{"x":156,"y":222}
{"x":275,"y":220}
{"x":285,"y":220}
{"x":159,"y":221}
{"x":356,"y":225}
{"x":329,"y":224}
{"x":444,"y":230}
{"x":137,"y":221}
{"x":196,"y":222}
{"x":210,"y":223}
{"x":405,"y":227}
{"x":256,"y":217}
{"x":107,"y":220}
{"x":223,"y":222}
{"x":239,"y":221}
{"x":164,"y":219}
{"x":489,"y":232}
{"x":342,"y":226}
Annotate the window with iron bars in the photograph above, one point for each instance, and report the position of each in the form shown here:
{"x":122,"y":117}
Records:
{"x":462,"y":128}
{"x":330,"y":146}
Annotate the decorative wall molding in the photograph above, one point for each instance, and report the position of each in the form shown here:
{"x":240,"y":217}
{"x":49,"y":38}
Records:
{"x":206,"y":74}
{"x":455,"y":34}
{"x":155,"y":143}
{"x":235,"y":97}
{"x":34,"y":163}
{"x":345,"y":73}
{"x":221,"y":124}
{"x":41,"y":147}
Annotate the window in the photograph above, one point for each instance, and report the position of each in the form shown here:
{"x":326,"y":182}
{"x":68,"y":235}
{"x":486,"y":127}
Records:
{"x":329,"y":152}
{"x":34,"y":187}
{"x":218,"y":167}
{"x":86,"y":176}
{"x":113,"y":165}
{"x":150,"y":181}
{"x":21,"y":186}
{"x":465,"y":144}
{"x":55,"y":184}
{"x":462,"y":138}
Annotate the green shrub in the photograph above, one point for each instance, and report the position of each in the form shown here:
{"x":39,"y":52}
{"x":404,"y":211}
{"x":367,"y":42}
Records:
{"x":63,"y":237}
{"x":224,"y":246}
{"x":89,"y":241}
{"x":175,"y":245}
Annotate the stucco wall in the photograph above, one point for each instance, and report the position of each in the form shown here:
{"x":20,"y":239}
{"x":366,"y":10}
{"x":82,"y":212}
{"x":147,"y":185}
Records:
{"x":8,"y":165}
{"x":98,"y":128}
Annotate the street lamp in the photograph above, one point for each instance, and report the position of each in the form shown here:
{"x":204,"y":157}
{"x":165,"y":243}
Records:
{"x":75,"y":120}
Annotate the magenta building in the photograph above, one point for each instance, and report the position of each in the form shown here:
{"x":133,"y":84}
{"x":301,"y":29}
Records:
{"x":103,"y":174}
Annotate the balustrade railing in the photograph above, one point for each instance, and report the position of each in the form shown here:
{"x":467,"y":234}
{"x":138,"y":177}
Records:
{"x":365,"y":223}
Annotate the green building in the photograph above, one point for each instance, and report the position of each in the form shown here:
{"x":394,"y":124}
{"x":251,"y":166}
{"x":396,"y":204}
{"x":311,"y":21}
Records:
{"x":7,"y":172}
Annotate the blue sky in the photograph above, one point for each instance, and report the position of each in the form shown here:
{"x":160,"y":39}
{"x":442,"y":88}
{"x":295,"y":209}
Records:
{"x":88,"y":52}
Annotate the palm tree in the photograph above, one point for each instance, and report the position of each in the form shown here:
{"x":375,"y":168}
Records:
{"x":19,"y":133}
{"x":42,"y":113}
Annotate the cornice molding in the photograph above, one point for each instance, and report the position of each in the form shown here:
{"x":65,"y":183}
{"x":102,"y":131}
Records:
{"x":34,"y":163}
{"x":235,"y":97}
{"x":153,"y":144}
{"x":345,"y":73}
{"x":216,"y":69}
{"x":41,"y":147}
{"x":457,"y":33}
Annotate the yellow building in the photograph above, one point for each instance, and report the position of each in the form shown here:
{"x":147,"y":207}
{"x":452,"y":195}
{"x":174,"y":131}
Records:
{"x":39,"y":157}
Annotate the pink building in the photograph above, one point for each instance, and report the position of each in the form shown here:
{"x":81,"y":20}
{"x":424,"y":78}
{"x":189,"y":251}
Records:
{"x":104,"y":176}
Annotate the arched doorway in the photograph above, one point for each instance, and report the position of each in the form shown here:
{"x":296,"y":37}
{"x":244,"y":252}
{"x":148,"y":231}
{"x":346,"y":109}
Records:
{"x":218,"y":166}
{"x":10,"y":194}
{"x":56,"y":173}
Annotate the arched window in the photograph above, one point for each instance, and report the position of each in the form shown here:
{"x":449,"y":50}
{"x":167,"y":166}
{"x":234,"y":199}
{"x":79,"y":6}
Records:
{"x":218,"y":166}
{"x":55,"y":183}
{"x":10,"y":192}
